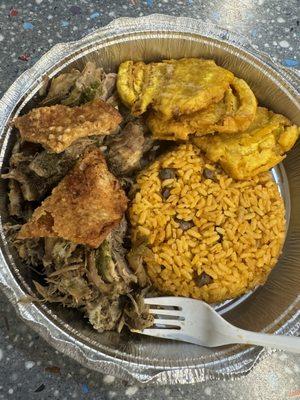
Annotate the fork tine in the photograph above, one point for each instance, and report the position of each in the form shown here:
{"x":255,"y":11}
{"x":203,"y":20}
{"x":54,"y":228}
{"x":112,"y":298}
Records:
{"x":163,"y":333}
{"x":167,"y":322}
{"x":162,"y":301}
{"x":171,"y":313}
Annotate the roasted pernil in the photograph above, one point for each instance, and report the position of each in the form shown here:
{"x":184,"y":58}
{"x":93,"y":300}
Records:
{"x":172,"y":87}
{"x":234,"y":113}
{"x":98,"y":282}
{"x":85,"y":206}
{"x":74,"y":87}
{"x":262,"y":146}
{"x":24,"y":184}
{"x":57,"y":127}
{"x":84,"y":209}
{"x":126,"y":148}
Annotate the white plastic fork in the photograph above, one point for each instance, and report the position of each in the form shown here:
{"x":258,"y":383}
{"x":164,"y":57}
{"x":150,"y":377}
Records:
{"x":194,"y":321}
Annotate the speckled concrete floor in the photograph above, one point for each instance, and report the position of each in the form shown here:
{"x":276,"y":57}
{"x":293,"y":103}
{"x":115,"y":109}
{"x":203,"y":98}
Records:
{"x":29,"y":368}
{"x":29,"y":28}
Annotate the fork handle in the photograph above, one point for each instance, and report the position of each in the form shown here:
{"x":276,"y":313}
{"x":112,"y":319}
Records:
{"x":281,"y":342}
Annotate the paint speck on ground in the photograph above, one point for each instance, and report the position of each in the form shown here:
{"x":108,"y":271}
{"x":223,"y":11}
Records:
{"x":94,"y":15}
{"x":215,"y":16}
{"x":131,"y":390}
{"x":283,"y":43}
{"x":27,"y":26}
{"x":13,"y":12}
{"x":85,"y":388}
{"x":207,"y":391}
{"x":108,"y":379}
{"x":273,"y":379}
{"x":22,"y":57}
{"x":29,"y":364}
{"x":280,"y":20}
{"x":64,"y":23}
{"x":10,"y":391}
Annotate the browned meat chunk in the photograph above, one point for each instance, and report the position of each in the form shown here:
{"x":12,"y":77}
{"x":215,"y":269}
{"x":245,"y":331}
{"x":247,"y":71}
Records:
{"x":57,"y":127}
{"x":127,"y":148}
{"x":84,"y":208}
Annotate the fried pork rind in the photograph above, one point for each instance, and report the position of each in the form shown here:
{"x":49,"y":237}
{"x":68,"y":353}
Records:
{"x":57,"y":127}
{"x":259,"y":148}
{"x":85,"y":206}
{"x":234,"y":113}
{"x":172,"y":87}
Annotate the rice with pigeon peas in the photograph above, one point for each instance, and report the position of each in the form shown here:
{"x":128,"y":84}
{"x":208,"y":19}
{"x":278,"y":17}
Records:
{"x":211,"y":237}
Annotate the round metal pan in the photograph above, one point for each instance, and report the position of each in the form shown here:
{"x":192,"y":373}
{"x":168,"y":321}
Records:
{"x":271,"y":308}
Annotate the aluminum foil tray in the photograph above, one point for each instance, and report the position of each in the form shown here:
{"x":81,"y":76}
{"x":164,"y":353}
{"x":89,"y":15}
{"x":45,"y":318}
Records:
{"x":271,"y":308}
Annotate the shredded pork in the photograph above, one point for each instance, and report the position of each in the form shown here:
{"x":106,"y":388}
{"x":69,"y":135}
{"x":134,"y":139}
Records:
{"x":103,"y":280}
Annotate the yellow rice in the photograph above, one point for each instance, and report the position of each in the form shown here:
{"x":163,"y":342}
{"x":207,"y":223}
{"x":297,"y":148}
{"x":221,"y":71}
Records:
{"x":238,"y":232}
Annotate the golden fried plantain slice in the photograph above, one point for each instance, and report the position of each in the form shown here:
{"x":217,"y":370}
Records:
{"x":232,"y":114}
{"x":180,"y":128}
{"x":85,"y":206}
{"x":57,"y":127}
{"x":240,"y":105}
{"x":130,"y":81}
{"x":191,"y":84}
{"x":172,"y":87}
{"x":259,"y":148}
